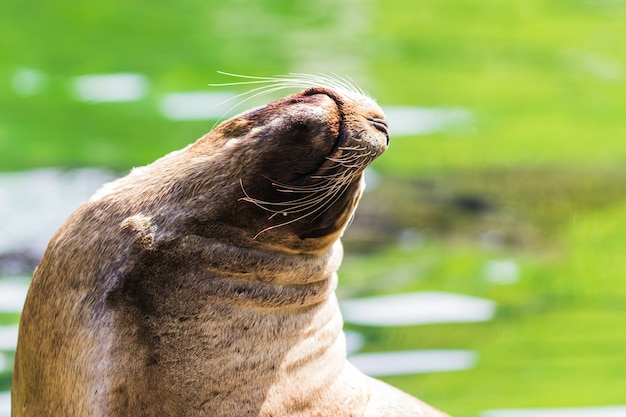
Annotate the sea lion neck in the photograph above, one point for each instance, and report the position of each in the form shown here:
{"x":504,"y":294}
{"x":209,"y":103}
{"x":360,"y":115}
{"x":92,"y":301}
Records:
{"x":267,"y":266}
{"x":267,"y":279}
{"x":197,"y":272}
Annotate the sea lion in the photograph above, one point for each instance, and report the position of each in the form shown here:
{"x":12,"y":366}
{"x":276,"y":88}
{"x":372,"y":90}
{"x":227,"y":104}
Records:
{"x":203,"y":284}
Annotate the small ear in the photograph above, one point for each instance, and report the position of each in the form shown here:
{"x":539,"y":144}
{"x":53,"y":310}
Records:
{"x":144,"y":230}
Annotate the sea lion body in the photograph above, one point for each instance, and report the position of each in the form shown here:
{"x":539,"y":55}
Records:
{"x":203,"y":284}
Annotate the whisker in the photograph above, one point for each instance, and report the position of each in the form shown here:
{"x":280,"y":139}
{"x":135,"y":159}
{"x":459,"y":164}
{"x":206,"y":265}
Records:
{"x":291,"y":221}
{"x":295,"y":80}
{"x":332,"y":201}
{"x":305,"y":188}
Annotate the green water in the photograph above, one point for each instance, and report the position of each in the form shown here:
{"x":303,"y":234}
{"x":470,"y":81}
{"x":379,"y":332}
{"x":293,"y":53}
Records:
{"x":545,"y":81}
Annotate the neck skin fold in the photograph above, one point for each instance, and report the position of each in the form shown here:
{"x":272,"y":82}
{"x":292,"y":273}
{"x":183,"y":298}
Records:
{"x":266,"y":338}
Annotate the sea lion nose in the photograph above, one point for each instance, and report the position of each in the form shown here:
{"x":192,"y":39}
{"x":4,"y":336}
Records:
{"x":380,"y":124}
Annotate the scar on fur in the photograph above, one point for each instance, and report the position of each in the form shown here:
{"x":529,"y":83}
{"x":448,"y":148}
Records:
{"x":143,"y":228}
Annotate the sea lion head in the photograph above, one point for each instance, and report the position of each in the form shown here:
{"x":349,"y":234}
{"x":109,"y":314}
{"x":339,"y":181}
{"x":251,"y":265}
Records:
{"x":287,"y":175}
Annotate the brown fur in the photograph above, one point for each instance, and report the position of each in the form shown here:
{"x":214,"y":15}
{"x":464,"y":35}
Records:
{"x":174,"y":291}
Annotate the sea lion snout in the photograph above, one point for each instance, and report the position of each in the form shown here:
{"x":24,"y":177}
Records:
{"x":314,"y":152}
{"x":357,"y":112}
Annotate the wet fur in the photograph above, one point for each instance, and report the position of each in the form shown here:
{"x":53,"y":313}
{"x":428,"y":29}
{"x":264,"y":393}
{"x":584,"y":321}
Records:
{"x":203,"y":284}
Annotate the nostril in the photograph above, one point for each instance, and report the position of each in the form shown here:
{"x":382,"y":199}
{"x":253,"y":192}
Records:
{"x":380,"y":125}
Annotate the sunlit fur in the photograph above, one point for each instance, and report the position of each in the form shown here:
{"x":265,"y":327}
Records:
{"x":203,"y":284}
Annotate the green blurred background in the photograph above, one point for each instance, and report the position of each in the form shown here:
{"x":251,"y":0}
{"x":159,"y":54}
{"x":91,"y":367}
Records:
{"x":542,"y":167}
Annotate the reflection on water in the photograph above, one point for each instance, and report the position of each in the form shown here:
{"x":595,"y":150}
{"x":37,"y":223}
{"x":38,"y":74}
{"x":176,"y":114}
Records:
{"x":12,"y":295}
{"x":8,"y":337}
{"x":28,"y":81}
{"x":407,"y":120}
{"x":8,"y":341}
{"x":5,"y":404}
{"x":119,"y":87}
{"x":354,"y":341}
{"x":417,"y":308}
{"x":197,"y":105}
{"x":26,"y":223}
{"x":413,"y":362}
{"x":607,"y":411}
{"x":502,"y":271}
